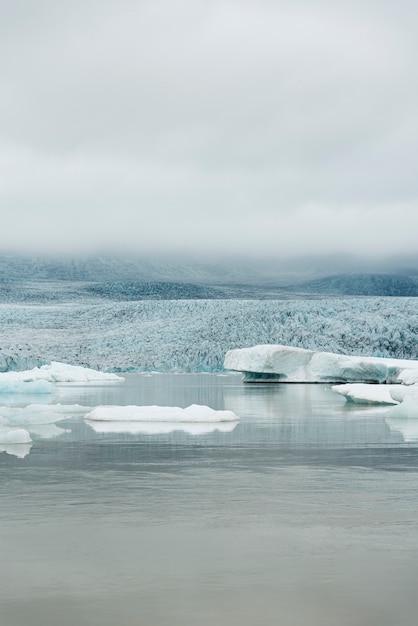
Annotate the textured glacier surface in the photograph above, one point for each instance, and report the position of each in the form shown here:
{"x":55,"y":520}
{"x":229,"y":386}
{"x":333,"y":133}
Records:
{"x":194,"y":335}
{"x":195,"y":413}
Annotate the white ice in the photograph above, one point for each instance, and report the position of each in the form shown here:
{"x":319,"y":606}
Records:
{"x":194,"y":413}
{"x":11,"y":386}
{"x":16,"y":449}
{"x":14,"y":435}
{"x":39,"y":413}
{"x":160,"y":428}
{"x":407,"y":409}
{"x":57,"y":372}
{"x":289,"y":364}
{"x":362,"y":393}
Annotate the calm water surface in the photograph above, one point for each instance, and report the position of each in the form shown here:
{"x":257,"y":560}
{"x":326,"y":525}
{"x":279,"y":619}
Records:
{"x":304,"y":513}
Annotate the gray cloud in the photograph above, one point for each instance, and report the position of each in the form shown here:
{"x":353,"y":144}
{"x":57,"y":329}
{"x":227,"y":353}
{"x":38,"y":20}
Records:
{"x":265,"y":126}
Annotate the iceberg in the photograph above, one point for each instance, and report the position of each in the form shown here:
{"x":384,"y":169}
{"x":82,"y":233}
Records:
{"x":194,"y":413}
{"x":16,"y":449}
{"x":56,"y":372}
{"x":39,"y":413}
{"x":14,"y":436}
{"x":362,"y":393}
{"x":13,"y":387}
{"x":279,"y":363}
{"x":406,"y":409}
{"x":160,"y":428}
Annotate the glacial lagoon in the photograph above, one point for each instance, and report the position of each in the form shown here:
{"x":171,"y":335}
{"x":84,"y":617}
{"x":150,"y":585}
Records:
{"x":302,"y":513}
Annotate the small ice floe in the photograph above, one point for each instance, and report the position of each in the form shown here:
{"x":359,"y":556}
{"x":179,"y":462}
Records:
{"x":40,"y":413}
{"x":46,"y":431}
{"x":14,"y":435}
{"x":8,"y":386}
{"x":194,"y":413}
{"x":16,"y":449}
{"x":56,"y":372}
{"x":408,"y":408}
{"x":160,"y":428}
{"x":362,"y":393}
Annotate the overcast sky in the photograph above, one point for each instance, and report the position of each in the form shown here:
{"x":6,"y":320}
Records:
{"x":241,"y":126}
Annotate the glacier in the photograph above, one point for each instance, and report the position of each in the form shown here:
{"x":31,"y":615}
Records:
{"x":194,"y":335}
{"x":195,"y":413}
{"x":280,"y":363}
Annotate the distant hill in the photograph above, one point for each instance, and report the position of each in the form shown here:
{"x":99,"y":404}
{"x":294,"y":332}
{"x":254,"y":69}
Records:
{"x":359,"y":285}
{"x":48,"y":279}
{"x":154,"y":290}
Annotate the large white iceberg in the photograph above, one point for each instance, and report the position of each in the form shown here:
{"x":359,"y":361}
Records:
{"x":56,"y":372}
{"x":194,"y":413}
{"x":277,"y":363}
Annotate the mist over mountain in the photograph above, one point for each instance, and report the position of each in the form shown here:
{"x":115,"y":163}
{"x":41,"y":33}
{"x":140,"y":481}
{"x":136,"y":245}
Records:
{"x":118,"y":278}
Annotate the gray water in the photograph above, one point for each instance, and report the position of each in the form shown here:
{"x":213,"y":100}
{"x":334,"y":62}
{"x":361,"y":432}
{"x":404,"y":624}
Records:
{"x":305,"y":513}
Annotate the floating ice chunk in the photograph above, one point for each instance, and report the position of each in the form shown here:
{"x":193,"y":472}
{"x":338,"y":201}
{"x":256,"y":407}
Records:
{"x":16,"y":449}
{"x":63,"y":373}
{"x":408,"y":408}
{"x":57,"y":372}
{"x":40,"y":413}
{"x":362,"y":393}
{"x":14,"y":435}
{"x":160,"y":428}
{"x":287,"y":364}
{"x":194,"y":413}
{"x":9,"y":386}
{"x":46,"y":431}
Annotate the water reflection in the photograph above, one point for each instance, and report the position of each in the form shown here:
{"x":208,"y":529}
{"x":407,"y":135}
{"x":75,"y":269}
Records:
{"x":407,"y":427}
{"x":159,"y":428}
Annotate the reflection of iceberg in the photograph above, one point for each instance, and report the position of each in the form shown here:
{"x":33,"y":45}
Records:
{"x":195,"y":413}
{"x":277,"y":363}
{"x":408,"y":428}
{"x":160,"y":428}
{"x":16,"y":449}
